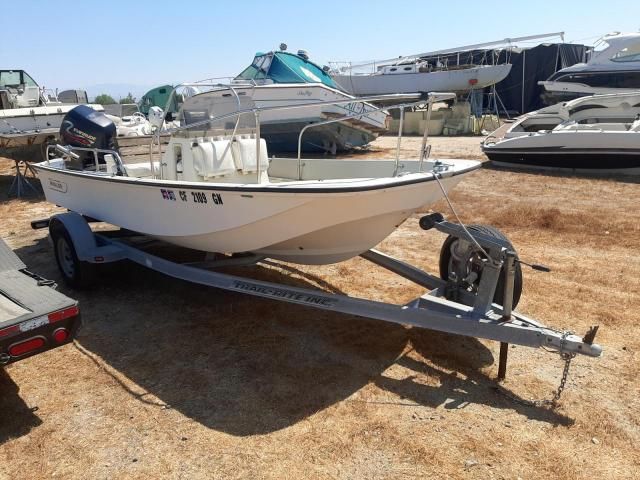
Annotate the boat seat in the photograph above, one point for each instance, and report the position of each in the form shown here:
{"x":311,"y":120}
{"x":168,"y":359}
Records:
{"x":141,"y":169}
{"x":244,"y":154}
{"x":210,"y":159}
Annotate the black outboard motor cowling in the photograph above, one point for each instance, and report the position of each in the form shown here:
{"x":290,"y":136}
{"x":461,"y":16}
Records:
{"x":85,"y":127}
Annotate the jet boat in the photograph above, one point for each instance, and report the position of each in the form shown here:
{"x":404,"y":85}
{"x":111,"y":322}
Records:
{"x":215,"y":189}
{"x":599,"y":134}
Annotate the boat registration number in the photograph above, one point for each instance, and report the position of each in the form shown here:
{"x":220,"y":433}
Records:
{"x":192,"y":197}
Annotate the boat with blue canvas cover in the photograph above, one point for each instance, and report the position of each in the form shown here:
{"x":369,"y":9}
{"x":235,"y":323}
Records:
{"x":280,"y":78}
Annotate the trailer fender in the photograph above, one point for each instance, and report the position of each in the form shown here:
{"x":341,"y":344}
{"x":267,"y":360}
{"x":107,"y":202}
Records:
{"x":87,"y":246}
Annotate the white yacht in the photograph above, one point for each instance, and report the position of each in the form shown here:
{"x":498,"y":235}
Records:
{"x":281,"y":78}
{"x":614,"y":67}
{"x":595,"y":134}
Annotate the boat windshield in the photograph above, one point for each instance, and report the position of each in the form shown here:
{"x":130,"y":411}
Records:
{"x":628,"y":54}
{"x":158,"y":97}
{"x":15,"y":79}
{"x":198,"y":110}
{"x":285,"y":67}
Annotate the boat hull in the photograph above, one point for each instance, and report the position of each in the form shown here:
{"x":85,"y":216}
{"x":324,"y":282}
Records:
{"x":440,"y":81}
{"x":35,"y":119}
{"x":307,"y":222}
{"x":598,"y":152}
{"x":282,"y":136}
{"x":26,"y":122}
{"x":580,"y":161}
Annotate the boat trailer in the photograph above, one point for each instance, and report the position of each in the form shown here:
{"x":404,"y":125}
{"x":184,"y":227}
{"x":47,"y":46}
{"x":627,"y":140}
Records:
{"x":461,"y":303}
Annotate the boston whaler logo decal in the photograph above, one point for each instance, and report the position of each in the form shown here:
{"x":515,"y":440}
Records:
{"x":57,"y":185}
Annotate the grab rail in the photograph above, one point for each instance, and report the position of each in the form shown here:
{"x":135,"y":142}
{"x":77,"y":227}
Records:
{"x":69,"y":150}
{"x":424,"y":151}
{"x":404,"y":100}
{"x":401,"y":106}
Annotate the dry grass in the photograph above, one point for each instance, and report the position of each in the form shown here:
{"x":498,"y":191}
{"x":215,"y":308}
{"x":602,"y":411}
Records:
{"x":169,"y":379}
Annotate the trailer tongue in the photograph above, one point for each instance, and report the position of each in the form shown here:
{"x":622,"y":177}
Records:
{"x":34,"y":317}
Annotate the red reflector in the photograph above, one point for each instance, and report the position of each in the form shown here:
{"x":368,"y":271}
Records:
{"x":62,"y":314}
{"x":473,"y":81}
{"x":27,"y":346}
{"x":60,"y":335}
{"x":8,"y":331}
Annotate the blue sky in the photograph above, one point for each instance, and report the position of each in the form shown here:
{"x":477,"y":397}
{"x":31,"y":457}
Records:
{"x":138,"y":42}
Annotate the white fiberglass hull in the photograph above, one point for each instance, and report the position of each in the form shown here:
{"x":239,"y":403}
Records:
{"x":294,"y":94}
{"x":310,"y":222}
{"x":595,"y":152}
{"x":32,"y":119}
{"x":281,"y":128}
{"x":439,"y":81}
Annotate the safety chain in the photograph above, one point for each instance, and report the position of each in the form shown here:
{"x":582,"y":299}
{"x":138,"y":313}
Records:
{"x":567,"y":357}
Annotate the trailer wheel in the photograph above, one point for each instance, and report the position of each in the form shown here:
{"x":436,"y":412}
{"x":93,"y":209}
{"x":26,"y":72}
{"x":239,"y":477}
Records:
{"x":76,"y":273}
{"x":446,"y":263}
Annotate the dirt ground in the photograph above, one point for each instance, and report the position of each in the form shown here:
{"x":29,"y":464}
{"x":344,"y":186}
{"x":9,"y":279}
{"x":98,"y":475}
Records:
{"x":169,"y":379}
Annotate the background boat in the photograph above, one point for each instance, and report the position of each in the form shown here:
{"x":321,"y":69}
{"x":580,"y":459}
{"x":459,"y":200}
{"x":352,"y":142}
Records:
{"x":595,"y":134}
{"x":281,"y":78}
{"x":614,"y":67}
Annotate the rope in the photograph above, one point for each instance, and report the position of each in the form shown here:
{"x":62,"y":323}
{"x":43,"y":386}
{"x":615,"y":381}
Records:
{"x":446,"y":197}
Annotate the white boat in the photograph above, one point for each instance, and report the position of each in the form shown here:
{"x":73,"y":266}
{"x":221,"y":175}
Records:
{"x":420,"y":77}
{"x":131,"y":123}
{"x":26,"y":108}
{"x":216,"y":190}
{"x":595,"y":134}
{"x":134,"y":125}
{"x":613,"y":68}
{"x":282,"y":78}
{"x":436,"y":71}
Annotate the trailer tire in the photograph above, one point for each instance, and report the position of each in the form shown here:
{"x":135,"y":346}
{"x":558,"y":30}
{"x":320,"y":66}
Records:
{"x":498,"y":297}
{"x":75,"y":273}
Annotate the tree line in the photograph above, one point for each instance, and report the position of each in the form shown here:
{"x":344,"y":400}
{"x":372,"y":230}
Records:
{"x":105,"y":99}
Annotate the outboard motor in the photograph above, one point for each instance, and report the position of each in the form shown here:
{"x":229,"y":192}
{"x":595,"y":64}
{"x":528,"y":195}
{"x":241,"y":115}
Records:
{"x":85,"y":127}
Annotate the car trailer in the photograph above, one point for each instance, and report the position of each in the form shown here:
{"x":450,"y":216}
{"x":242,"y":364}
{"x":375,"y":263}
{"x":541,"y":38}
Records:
{"x":34,"y":317}
{"x":479,"y":284}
